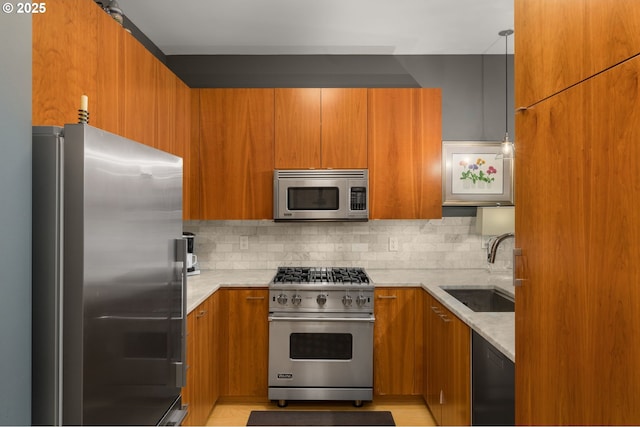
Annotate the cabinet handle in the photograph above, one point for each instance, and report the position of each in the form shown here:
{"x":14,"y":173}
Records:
{"x":254,"y":298}
{"x":387,"y":296}
{"x":436,"y":309}
{"x":201,"y":313}
{"x":445,"y":318}
{"x":441,"y":397}
{"x":517,"y":252}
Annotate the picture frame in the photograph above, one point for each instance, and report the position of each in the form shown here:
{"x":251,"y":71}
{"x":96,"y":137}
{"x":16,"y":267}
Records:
{"x":473,"y":176}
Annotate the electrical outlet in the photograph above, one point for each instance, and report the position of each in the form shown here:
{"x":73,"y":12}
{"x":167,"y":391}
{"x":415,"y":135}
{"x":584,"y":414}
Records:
{"x":393,"y":244}
{"x":244,"y":243}
{"x":484,"y":242}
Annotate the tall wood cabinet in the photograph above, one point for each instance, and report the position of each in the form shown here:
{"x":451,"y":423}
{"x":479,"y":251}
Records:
{"x":320,"y":128}
{"x":397,"y":357}
{"x":577,"y":222}
{"x":405,"y":152}
{"x":563,"y":43}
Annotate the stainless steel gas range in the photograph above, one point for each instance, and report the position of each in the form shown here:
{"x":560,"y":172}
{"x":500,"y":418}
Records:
{"x":321,"y":334}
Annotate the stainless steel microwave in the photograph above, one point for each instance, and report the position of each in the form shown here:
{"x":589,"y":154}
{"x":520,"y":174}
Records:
{"x":321,"y":195}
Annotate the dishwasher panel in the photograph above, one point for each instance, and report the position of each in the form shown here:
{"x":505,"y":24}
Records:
{"x":493,"y":385}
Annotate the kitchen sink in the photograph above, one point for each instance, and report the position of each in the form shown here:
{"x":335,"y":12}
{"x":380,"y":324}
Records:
{"x":484,"y":299}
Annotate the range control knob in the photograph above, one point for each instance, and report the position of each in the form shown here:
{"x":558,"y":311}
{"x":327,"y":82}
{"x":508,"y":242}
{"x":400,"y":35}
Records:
{"x":361,"y":300}
{"x":321,"y":299}
{"x":296,"y":299}
{"x":347,"y":300}
{"x":282,"y":299}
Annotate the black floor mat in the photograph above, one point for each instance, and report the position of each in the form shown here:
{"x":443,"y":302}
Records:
{"x":320,"y":418}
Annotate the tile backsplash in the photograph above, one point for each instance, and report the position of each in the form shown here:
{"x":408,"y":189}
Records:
{"x":449,"y":242}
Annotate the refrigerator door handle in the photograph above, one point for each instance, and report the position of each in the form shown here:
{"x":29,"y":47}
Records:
{"x":181,"y":366}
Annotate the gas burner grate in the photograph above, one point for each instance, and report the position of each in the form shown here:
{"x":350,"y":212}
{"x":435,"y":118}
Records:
{"x":338,"y":275}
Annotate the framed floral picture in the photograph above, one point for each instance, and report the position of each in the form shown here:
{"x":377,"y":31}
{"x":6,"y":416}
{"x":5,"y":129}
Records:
{"x":473,"y":176}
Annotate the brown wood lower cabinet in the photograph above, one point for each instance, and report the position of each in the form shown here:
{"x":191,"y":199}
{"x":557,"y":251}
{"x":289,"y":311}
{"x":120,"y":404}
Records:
{"x":397,"y":341}
{"x":227,"y":350}
{"x":245,"y":342}
{"x":198,"y":392}
{"x":447,"y":374}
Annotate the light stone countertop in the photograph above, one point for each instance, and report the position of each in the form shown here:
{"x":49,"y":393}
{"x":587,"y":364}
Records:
{"x":201,"y":286}
{"x":497,"y":328}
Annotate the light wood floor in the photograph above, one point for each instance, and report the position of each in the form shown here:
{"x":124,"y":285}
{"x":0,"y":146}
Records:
{"x":410,"y":411}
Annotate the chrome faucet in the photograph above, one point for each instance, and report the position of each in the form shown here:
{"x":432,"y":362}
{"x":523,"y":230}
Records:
{"x":491,"y":253}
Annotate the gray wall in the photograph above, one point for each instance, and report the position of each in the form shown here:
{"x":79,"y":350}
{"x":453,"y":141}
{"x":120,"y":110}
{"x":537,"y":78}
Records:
{"x":15,"y":219}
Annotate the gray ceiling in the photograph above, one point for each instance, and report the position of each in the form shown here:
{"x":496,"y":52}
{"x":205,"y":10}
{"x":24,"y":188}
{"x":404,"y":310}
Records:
{"x":298,"y":27}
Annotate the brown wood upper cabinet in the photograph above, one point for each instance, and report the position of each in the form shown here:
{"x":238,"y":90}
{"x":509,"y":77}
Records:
{"x":78,"y":49}
{"x":64,"y":61}
{"x":236,"y":153}
{"x":320,"y":128}
{"x":405,"y":153}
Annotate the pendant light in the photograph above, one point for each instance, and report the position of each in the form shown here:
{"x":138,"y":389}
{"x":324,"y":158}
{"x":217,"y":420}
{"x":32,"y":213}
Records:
{"x":507,"y":147}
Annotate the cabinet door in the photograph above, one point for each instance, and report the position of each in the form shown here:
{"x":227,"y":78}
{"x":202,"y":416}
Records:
{"x":344,"y":128}
{"x":405,"y":146}
{"x":394,"y":342}
{"x":64,"y":60}
{"x":447,"y":365}
{"x":236,"y":153}
{"x":216,"y":348}
{"x":297,"y":128}
{"x":560,"y":43}
{"x":247,"y":343}
{"x":577,"y":310}
{"x":139,"y":93}
{"x":189,"y":390}
{"x":202,"y":397}
{"x":433,"y":381}
{"x":105,"y":110}
{"x":197,"y":393}
{"x":456,"y":410}
{"x":183,"y":142}
{"x":194,"y":206}
{"x":166,"y":103}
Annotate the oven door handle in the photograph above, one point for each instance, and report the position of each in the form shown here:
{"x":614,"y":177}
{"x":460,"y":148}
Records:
{"x":370,"y":319}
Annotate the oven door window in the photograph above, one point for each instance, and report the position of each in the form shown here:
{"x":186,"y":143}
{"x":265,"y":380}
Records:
{"x":313,"y":198}
{"x":321,"y":346}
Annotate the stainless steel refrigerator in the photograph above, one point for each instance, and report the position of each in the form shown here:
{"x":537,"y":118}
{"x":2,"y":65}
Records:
{"x":109,"y":281}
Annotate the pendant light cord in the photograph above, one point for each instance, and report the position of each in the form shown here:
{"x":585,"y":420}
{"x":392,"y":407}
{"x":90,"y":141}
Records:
{"x":506,"y":85}
{"x":506,"y":34}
